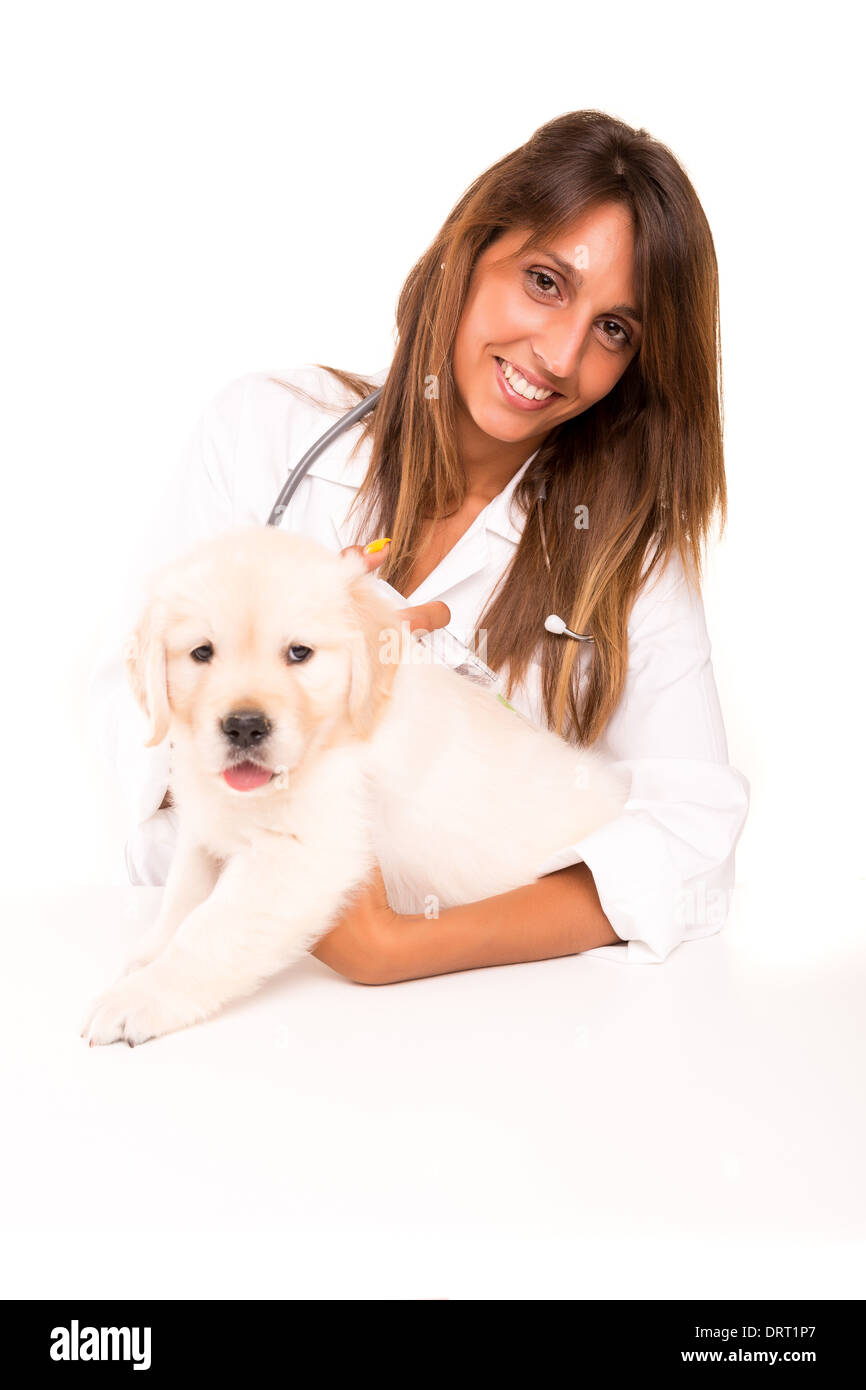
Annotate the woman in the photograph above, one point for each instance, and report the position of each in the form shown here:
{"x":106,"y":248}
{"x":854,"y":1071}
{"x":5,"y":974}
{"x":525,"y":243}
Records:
{"x":548,"y":440}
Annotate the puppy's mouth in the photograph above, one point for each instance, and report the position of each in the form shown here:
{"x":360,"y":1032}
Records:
{"x":246,"y":776}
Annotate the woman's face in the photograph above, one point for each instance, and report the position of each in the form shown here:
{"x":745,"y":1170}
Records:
{"x":564,"y":314}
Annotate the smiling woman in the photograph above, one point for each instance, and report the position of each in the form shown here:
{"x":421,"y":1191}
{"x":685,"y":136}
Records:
{"x":566,"y":316}
{"x":547,"y":441}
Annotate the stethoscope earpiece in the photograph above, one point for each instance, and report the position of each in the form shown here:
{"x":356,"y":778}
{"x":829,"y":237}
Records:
{"x":554,"y":624}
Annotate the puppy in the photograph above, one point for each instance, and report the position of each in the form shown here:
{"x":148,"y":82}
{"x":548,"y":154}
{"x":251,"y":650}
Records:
{"x":311,"y":738}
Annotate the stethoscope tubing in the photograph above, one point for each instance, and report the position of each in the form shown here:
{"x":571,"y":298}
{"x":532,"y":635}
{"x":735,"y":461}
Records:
{"x":299,"y":472}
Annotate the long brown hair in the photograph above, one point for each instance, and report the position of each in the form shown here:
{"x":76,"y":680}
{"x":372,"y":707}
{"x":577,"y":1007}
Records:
{"x":646,"y":460}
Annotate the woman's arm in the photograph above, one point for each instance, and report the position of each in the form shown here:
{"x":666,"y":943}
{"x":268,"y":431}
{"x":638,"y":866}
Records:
{"x":557,"y":915}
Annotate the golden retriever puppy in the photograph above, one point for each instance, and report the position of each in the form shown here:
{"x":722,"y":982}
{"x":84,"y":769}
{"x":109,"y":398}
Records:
{"x":311,"y":738}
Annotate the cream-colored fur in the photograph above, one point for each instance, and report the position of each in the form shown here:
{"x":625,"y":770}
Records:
{"x":377,"y":755}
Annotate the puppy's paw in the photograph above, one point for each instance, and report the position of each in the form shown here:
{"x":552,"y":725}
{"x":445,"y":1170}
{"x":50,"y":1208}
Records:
{"x":138,"y":1007}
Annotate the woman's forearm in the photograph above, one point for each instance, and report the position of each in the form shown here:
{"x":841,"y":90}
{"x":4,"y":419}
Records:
{"x":557,"y":915}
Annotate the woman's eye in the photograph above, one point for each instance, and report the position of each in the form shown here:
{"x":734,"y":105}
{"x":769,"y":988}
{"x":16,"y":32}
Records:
{"x":622,"y":338}
{"x":203,"y":653}
{"x":535,"y":276}
{"x":297,"y":653}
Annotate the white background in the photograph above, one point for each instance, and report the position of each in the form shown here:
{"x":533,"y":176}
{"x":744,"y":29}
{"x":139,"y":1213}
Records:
{"x":195,"y":191}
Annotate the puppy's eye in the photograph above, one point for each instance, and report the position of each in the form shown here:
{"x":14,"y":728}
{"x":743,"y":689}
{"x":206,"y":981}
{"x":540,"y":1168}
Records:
{"x":296,"y":654}
{"x":202,"y":653}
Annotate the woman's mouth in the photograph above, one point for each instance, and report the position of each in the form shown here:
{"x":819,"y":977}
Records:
{"x":518,"y":392}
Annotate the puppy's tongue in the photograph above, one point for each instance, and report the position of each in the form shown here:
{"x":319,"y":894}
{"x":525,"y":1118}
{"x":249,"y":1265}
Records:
{"x":243,"y":777}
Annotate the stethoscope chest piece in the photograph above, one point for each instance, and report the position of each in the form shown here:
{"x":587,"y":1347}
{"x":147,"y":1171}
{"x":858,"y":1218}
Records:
{"x":555,"y":625}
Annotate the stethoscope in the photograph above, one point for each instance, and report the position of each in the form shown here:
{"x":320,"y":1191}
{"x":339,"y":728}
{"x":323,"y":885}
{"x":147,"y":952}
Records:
{"x":552,"y":623}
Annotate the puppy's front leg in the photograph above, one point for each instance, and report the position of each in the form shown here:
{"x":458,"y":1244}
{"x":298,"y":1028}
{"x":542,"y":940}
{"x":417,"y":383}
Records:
{"x":270,"y":904}
{"x":191,"y":878}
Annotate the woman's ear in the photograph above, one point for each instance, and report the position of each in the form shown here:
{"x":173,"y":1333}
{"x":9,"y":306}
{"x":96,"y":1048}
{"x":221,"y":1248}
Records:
{"x":374,"y":664}
{"x":144,"y":659}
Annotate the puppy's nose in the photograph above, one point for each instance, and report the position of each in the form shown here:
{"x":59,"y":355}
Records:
{"x":246,"y":728}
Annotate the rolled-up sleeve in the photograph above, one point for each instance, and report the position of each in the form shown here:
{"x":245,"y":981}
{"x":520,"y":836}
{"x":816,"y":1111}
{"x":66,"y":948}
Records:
{"x":198,"y":501}
{"x":664,"y":868}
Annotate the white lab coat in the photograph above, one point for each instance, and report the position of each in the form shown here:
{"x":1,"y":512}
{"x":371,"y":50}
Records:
{"x":664,"y":869}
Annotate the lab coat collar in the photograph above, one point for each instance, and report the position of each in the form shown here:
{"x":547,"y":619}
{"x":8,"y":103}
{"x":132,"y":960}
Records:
{"x":337,"y":467}
{"x":467,"y":557}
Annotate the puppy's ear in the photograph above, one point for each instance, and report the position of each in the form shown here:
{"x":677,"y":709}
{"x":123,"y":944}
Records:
{"x":373,"y":663}
{"x":144,"y":659}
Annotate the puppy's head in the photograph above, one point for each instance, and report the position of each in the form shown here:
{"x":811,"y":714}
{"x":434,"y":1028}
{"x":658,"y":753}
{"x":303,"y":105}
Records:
{"x":257,"y":646}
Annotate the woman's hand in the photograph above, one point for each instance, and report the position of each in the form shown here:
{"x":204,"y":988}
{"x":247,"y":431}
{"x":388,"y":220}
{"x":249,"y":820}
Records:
{"x":361,"y":944}
{"x":425,"y":616}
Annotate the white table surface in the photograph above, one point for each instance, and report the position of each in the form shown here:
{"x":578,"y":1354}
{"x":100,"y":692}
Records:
{"x":571,"y":1128}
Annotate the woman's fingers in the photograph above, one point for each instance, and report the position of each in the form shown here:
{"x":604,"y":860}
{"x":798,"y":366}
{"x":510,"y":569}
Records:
{"x":371,"y":559}
{"x":426,"y":616}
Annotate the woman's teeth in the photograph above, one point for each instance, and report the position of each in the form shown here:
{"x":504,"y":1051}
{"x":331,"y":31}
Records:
{"x":520,"y":385}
